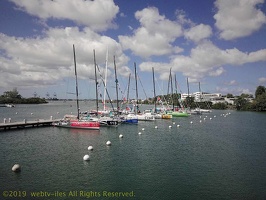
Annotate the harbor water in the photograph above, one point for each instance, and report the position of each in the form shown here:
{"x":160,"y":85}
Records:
{"x":212,"y":156}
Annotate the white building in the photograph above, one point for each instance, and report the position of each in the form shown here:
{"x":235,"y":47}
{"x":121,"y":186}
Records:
{"x":202,"y":96}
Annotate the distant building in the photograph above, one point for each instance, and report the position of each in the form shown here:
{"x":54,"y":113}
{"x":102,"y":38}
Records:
{"x":202,"y":96}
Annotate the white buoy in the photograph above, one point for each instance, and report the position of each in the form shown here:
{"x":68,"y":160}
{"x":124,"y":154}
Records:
{"x":210,"y":118}
{"x":177,"y":125}
{"x":191,"y":122}
{"x":16,"y":168}
{"x":156,"y":127}
{"x":214,"y":116}
{"x":108,"y":143}
{"x":170,"y":126}
{"x":90,"y":148}
{"x":200,"y":121}
{"x":16,"y":113}
{"x":31,"y":113}
{"x":121,"y":136}
{"x":86,"y":157}
{"x":139,"y":133}
{"x":57,"y":112}
{"x":173,"y":122}
{"x":143,"y":129}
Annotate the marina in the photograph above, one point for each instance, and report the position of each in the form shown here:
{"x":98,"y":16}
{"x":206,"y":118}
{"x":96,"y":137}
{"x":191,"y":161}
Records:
{"x":213,"y":156}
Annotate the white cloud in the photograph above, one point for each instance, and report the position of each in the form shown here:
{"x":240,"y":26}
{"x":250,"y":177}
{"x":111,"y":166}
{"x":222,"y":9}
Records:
{"x":231,"y":83}
{"x":43,"y":61}
{"x":98,"y":15}
{"x":262,"y":80}
{"x":199,"y":32}
{"x":232,"y":90}
{"x":205,"y":60}
{"x":154,"y":37}
{"x":238,"y":18}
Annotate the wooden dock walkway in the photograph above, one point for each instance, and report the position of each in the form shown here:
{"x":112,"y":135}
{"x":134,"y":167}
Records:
{"x":27,"y":124}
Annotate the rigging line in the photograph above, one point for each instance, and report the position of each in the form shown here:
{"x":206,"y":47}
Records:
{"x":163,"y":97}
{"x":142,"y":87}
{"x":105,"y":86}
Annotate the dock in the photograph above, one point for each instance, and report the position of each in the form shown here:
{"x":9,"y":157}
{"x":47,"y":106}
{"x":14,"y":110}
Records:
{"x":27,"y":124}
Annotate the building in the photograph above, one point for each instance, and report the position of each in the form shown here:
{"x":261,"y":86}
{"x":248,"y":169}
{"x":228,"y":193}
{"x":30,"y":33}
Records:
{"x":202,"y":96}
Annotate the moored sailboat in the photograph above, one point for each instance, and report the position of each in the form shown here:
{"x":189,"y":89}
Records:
{"x":72,"y":121}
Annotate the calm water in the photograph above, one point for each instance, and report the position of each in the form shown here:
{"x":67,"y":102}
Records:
{"x":222,"y":158}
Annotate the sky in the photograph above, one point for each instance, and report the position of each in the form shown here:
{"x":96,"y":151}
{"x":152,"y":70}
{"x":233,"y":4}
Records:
{"x":218,"y":43}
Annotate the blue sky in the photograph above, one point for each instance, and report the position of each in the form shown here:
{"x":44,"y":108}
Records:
{"x":219,"y":43}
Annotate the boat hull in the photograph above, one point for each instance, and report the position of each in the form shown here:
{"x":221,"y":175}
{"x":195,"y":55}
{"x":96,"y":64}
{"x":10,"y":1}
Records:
{"x":178,"y":114}
{"x":79,"y":125}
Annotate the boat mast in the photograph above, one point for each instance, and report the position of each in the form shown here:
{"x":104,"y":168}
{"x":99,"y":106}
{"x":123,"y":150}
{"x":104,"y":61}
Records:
{"x":105,"y":80}
{"x":172,"y":89}
{"x":76,"y":76}
{"x":136,"y":88}
{"x":177,"y":96}
{"x":128,"y":88}
{"x":154,"y":94}
{"x":200,"y":91}
{"x":96,"y":82}
{"x":116,"y":87}
{"x":187,"y":87}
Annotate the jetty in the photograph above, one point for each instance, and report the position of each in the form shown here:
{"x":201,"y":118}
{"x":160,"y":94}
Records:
{"x":27,"y":124}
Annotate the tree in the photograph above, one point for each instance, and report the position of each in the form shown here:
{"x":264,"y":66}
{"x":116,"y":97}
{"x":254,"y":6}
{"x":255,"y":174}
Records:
{"x":259,"y":91}
{"x":12,"y":94}
{"x":260,"y":102}
{"x":229,"y":95}
{"x":241,"y":102}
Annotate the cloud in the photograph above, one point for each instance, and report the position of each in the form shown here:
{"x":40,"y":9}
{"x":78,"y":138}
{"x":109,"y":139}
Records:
{"x":155,"y":35}
{"x":98,"y":15}
{"x":205,"y":59}
{"x":198,"y":33}
{"x":262,"y":80}
{"x":238,"y":18}
{"x":43,"y":61}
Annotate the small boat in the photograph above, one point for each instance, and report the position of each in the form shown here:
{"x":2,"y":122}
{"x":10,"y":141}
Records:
{"x":108,"y":121}
{"x":71,"y":121}
{"x":8,"y":105}
{"x":178,"y":113}
{"x":166,"y":116}
{"x":129,"y":118}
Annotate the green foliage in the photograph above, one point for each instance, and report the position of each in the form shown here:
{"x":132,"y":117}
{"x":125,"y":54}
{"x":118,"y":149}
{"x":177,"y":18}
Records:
{"x":229,"y":95}
{"x":15,"y":98}
{"x":259,"y":91}
{"x":219,"y":106}
{"x":260,"y":102}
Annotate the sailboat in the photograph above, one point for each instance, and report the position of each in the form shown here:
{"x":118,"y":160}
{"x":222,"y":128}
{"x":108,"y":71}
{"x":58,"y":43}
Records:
{"x":162,"y":114}
{"x":174,"y":112}
{"x":145,"y":116}
{"x":72,"y":121}
{"x":104,"y":120}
